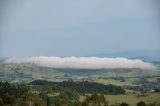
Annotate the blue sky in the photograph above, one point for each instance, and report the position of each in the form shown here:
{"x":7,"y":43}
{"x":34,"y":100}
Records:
{"x":77,"y":27}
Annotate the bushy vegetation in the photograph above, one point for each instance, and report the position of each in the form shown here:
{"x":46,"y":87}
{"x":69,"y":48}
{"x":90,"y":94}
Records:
{"x":55,"y":95}
{"x":9,"y":92}
{"x":82,"y":87}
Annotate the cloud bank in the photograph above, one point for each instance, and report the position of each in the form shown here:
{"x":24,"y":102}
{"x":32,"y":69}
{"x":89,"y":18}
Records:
{"x":84,"y":62}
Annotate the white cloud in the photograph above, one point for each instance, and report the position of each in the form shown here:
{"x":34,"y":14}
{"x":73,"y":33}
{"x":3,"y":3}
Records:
{"x":84,"y":62}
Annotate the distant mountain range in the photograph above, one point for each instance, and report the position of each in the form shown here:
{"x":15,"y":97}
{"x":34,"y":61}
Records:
{"x":132,"y":54}
{"x":145,"y":55}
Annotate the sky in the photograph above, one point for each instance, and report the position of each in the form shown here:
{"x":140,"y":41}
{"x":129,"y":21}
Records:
{"x":77,"y":27}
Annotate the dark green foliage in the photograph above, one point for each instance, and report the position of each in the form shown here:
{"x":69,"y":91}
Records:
{"x":85,"y":103}
{"x":92,"y":87}
{"x":77,"y":103}
{"x":95,"y":100}
{"x":1,"y":102}
{"x":82,"y":87}
{"x":69,"y":95}
{"x":60,"y":102}
{"x":63,"y":102}
{"x":8,"y":99}
{"x":12,"y":89}
{"x":9,"y":92}
{"x":124,"y":104}
{"x":44,"y":93}
{"x":21,"y":102}
{"x":141,"y":103}
{"x":48,"y":99}
{"x":39,"y":102}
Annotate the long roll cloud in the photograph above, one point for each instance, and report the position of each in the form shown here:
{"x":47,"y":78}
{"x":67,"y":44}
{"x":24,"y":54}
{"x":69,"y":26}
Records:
{"x":84,"y":62}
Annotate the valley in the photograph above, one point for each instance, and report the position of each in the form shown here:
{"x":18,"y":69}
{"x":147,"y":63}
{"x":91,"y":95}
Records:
{"x":131,"y":79}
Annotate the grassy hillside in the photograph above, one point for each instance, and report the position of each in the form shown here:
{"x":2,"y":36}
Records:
{"x":122,"y":77}
{"x":131,"y":99}
{"x":28,"y":72}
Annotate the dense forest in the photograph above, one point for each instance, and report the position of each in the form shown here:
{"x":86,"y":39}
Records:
{"x":81,"y":87}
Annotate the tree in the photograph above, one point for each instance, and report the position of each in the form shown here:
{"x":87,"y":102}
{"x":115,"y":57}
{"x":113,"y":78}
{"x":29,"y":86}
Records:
{"x":95,"y":100}
{"x":77,"y":103}
{"x":8,"y":99}
{"x":85,"y":103}
{"x":39,"y":102}
{"x":124,"y":104}
{"x":69,"y":95}
{"x":106,"y":103}
{"x":63,"y":102}
{"x":29,"y":96}
{"x":1,"y":102}
{"x":21,"y":102}
{"x":141,"y":103}
{"x":102,"y":98}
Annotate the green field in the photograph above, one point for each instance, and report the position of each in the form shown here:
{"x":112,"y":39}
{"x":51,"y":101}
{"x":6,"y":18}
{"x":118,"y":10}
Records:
{"x":130,"y":98}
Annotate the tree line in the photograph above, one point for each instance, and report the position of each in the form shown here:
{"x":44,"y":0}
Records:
{"x":29,"y":95}
{"x":82,"y":87}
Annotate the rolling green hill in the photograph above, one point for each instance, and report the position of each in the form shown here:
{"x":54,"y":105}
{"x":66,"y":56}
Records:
{"x":26,"y":72}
